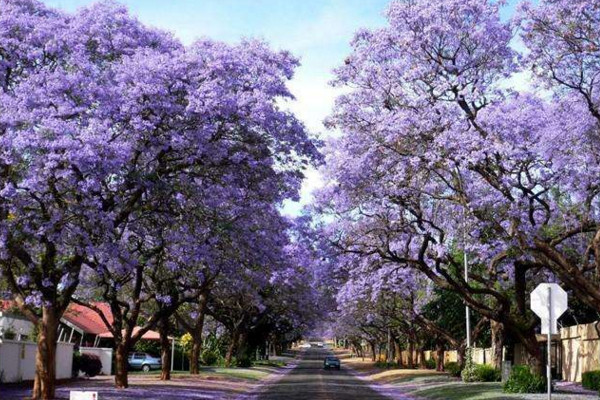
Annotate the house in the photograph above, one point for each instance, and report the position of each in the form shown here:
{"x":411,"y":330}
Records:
{"x":12,"y":324}
{"x":79,"y":325}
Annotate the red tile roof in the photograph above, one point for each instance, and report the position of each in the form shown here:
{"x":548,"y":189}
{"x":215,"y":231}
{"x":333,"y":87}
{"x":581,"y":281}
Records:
{"x":7,"y":305}
{"x":82,"y":317}
{"x":88,"y":320}
{"x":149,"y":335}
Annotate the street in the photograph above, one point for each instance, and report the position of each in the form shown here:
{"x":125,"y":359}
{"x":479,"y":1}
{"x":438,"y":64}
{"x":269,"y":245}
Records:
{"x":310,"y":381}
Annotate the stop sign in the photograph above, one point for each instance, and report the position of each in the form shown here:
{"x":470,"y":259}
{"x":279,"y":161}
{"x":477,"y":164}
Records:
{"x":549,"y":302}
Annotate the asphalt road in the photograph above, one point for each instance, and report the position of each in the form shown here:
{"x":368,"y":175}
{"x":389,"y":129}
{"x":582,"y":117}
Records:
{"x":308,"y":380}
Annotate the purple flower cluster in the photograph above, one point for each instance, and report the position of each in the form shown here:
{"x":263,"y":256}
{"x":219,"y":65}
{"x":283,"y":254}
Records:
{"x":441,"y":153}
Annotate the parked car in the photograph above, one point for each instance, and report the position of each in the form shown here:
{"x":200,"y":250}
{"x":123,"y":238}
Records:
{"x":143,"y":361}
{"x":332,"y":362}
{"x":319,"y":344}
{"x":305,"y":346}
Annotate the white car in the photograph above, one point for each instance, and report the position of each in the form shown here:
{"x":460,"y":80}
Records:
{"x":305,"y":346}
{"x":320,"y":344}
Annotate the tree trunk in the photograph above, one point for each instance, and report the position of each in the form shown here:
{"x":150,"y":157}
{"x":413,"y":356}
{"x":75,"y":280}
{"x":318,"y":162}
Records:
{"x":121,"y":377}
{"x":535,"y":359}
{"x":373,"y":351}
{"x":439,"y":361}
{"x":460,"y":354}
{"x":44,"y":384}
{"x":165,"y":349}
{"x":497,"y":329}
{"x":195,"y":355}
{"x":411,"y":350}
{"x":422,"y":363}
{"x":241,"y":346}
{"x":197,"y":336}
{"x":398,"y":353}
{"x":229,"y":355}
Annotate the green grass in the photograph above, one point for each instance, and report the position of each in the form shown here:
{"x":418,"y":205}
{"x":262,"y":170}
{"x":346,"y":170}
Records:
{"x":463,"y":391}
{"x":258,"y":372}
{"x":157,"y":372}
{"x":270,"y":363}
{"x":253,"y":374}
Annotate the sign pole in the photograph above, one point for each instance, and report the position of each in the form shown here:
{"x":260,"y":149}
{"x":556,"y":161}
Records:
{"x":549,"y":345}
{"x":549,"y":301}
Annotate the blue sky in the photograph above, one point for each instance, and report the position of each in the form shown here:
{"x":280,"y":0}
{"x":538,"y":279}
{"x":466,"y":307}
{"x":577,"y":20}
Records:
{"x":316,"y":31}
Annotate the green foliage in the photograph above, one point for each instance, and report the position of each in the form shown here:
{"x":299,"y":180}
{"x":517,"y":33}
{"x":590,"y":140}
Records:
{"x":385,"y":364}
{"x":34,"y":333}
{"x":9,"y":334}
{"x":148,"y":346}
{"x":209,"y":357}
{"x":447,"y":310}
{"x":487,"y":373}
{"x":244,"y":362}
{"x":430,"y":364}
{"x":591,"y":380}
{"x":468,"y":373}
{"x":522,"y":380}
{"x":453,"y":368}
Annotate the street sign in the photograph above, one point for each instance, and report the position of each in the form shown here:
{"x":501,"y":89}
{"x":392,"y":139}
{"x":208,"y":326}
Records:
{"x":540,"y":305}
{"x":80,"y":395}
{"x":549,"y":301}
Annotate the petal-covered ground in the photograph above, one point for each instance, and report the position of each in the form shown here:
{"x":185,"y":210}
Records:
{"x":212,"y":383}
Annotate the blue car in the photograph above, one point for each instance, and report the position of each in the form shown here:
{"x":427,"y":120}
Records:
{"x":143,"y":362}
{"x":331,"y":362}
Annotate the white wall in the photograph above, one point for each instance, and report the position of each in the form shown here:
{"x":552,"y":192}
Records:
{"x":17,"y":360}
{"x":105,"y":355}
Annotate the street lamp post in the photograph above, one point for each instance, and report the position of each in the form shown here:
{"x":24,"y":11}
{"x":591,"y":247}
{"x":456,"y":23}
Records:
{"x":467,"y":312}
{"x":466,"y":262}
{"x":465,"y":259}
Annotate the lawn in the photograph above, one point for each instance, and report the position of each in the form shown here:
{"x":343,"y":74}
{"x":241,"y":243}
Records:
{"x":257,"y":372}
{"x":481,"y":391}
{"x":428,"y":384}
{"x":254,"y":374}
{"x":462,"y":391}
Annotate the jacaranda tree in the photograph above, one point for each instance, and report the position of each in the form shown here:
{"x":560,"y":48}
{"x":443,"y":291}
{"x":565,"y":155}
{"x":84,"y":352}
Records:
{"x":104,"y":122}
{"x":440,"y":153}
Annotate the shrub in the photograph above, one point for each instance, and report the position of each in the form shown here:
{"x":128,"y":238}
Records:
{"x":90,"y":364}
{"x":76,"y":364}
{"x":385,"y":364}
{"x":209,"y":357}
{"x":468,"y":373}
{"x":9,"y":334}
{"x":453,"y":368}
{"x":591,"y":380}
{"x":244,"y":362}
{"x":430,"y":364}
{"x":487,"y":373}
{"x":522,"y":380}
